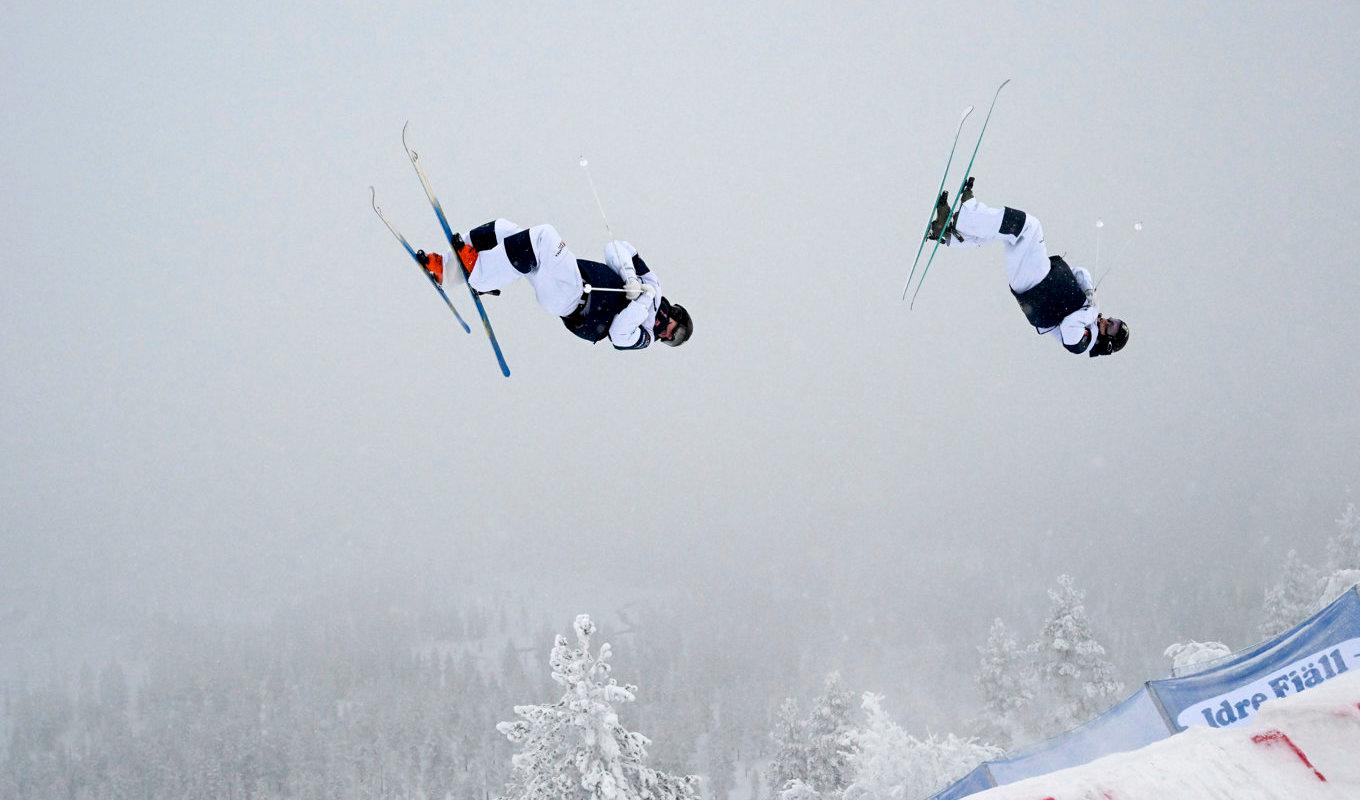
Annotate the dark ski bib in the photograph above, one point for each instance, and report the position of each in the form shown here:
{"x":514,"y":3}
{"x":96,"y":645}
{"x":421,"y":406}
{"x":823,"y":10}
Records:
{"x":1048,"y":302}
{"x":592,"y":320}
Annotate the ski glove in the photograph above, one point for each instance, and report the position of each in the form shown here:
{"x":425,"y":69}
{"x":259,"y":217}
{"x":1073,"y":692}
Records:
{"x":1084,"y":281}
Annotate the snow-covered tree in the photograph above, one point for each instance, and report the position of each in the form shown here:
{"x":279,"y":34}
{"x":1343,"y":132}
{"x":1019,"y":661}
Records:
{"x":1076,"y":679}
{"x":1343,"y":557}
{"x":831,"y":738}
{"x":576,"y":749}
{"x":1185,"y":656}
{"x":791,"y":749}
{"x":798,"y":790}
{"x":889,"y":764}
{"x":813,"y":754}
{"x":1006,"y":680}
{"x":1336,"y":584}
{"x":1343,"y":551}
{"x":1292,"y":599}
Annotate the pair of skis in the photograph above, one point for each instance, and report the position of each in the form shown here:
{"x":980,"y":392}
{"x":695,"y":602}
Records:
{"x":954,"y":206}
{"x":454,"y":266}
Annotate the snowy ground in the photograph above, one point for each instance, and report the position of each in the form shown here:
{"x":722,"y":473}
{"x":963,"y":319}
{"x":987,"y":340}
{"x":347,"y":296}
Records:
{"x":1299,"y":748}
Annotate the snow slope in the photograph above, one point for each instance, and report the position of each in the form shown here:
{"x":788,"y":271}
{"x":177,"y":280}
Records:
{"x":1301,"y":747}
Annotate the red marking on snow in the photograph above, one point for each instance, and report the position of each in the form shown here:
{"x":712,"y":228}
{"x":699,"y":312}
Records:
{"x":1347,"y":713}
{"x":1275,"y":737}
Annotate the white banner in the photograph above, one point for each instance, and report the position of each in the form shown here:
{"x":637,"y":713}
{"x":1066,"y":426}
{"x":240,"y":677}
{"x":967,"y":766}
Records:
{"x":1239,"y":704}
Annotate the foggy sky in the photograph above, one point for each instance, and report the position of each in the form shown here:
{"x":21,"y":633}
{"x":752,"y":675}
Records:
{"x":225,"y":384}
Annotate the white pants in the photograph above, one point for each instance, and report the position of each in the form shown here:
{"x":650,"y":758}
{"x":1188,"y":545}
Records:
{"x":556,"y":280}
{"x":1026,"y":255}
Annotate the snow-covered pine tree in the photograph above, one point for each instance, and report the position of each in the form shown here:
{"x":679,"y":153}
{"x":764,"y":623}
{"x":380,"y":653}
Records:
{"x":1076,"y":680}
{"x":791,"y":749}
{"x":1186,"y":657}
{"x":720,"y":752}
{"x":798,"y":790}
{"x":1343,"y":557}
{"x":1292,"y":599}
{"x":889,"y":764}
{"x":883,"y":767}
{"x":1006,"y":679}
{"x":831,"y":738}
{"x":575,"y":749}
{"x":1343,"y":551}
{"x":812,"y":755}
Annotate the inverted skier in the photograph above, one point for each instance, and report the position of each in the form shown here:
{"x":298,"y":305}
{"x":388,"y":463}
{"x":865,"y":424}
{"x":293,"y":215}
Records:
{"x":619,"y":300}
{"x":1058,"y":300}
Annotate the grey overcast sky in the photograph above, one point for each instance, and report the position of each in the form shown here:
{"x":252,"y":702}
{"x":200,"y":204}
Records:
{"x":223,"y":382}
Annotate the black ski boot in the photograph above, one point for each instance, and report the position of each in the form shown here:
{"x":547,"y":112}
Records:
{"x":967,"y":193}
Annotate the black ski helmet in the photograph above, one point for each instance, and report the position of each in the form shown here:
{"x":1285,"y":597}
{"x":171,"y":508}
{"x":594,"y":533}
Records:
{"x":1113,"y":342}
{"x":684,"y":326}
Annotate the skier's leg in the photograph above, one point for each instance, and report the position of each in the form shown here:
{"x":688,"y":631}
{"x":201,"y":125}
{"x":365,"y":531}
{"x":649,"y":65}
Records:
{"x":496,"y":265}
{"x":507,"y":252}
{"x":556,"y":278}
{"x":1023,"y":235}
{"x":979,"y":224}
{"x":1027,"y":259}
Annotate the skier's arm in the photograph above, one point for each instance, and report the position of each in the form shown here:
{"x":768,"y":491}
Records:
{"x":631,"y":328}
{"x":619,"y":256}
{"x":1078,"y":329}
{"x":1084,"y":281}
{"x":623,"y":258}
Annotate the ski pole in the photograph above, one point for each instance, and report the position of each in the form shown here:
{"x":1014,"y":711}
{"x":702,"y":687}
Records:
{"x":1100,"y":223}
{"x":1137,"y":226}
{"x":588,"y":289}
{"x":585,"y":165}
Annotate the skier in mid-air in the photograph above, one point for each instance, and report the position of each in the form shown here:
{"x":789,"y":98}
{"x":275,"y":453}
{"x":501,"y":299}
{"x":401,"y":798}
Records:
{"x":1057,"y":299}
{"x":619,"y":300}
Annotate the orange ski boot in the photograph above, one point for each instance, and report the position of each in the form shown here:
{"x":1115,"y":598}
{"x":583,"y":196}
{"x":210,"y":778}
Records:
{"x":467,"y":256}
{"x":433,"y":264}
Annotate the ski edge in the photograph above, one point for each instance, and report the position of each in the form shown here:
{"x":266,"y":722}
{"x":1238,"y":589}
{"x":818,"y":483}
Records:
{"x":412,"y":253}
{"x":953,"y":207}
{"x":448,"y":234}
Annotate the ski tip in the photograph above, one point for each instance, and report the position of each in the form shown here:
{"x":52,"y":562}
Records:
{"x":966,"y":112}
{"x":404,"y":145}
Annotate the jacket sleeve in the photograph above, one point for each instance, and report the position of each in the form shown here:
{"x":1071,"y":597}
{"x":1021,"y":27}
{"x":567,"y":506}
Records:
{"x":1078,"y":329}
{"x":632,"y":327}
{"x":619,"y":256}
